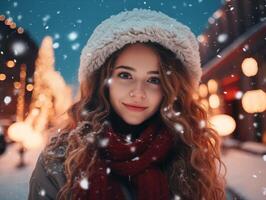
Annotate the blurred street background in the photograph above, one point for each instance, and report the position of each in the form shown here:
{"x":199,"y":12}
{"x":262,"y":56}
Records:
{"x":40,"y":45}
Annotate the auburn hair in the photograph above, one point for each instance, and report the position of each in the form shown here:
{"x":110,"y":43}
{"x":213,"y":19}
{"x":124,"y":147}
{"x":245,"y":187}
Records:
{"x":195,"y":171}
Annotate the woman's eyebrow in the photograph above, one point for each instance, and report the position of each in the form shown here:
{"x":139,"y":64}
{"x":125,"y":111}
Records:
{"x":132,"y":69}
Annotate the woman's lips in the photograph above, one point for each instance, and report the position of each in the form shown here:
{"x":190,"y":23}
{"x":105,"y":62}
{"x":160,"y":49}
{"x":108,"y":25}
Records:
{"x":134,"y":108}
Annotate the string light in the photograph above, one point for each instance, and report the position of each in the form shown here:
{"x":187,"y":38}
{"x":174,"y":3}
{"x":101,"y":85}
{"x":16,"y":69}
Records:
{"x":2,"y":77}
{"x":10,"y":63}
{"x":29,"y":87}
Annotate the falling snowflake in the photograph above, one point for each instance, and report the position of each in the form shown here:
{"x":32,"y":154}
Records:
{"x":169,"y":115}
{"x":177,"y":197}
{"x":202,"y":124}
{"x":136,"y":158}
{"x":84,"y":112}
{"x":179,"y":128}
{"x":219,"y":56}
{"x":56,"y":36}
{"x":84,"y":183}
{"x":133,"y":149}
{"x":254,"y":176}
{"x":238,"y":94}
{"x":46,"y":18}
{"x":263,"y":189}
{"x":42,"y":192}
{"x":19,"y":47}
{"x":255,"y":124}
{"x":7,"y":100}
{"x":104,"y":142}
{"x":109,"y":81}
{"x":19,"y":17}
{"x":222,"y":37}
{"x":79,"y":21}
{"x":177,"y":113}
{"x":75,"y":46}
{"x":168,"y":72}
{"x":241,"y":116}
{"x":108,"y":170}
{"x":56,"y":45}
{"x":264,"y":157}
{"x":128,"y":138}
{"x":72,"y":36}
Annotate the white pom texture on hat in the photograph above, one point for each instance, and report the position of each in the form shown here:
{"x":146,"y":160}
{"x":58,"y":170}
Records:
{"x":140,"y":25}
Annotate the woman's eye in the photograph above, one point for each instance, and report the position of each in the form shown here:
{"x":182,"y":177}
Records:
{"x":123,"y":75}
{"x":156,"y":81}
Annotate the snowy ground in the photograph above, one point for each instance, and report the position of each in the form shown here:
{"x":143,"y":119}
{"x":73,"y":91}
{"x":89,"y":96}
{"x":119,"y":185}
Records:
{"x":246,"y":173}
{"x":14,"y":181}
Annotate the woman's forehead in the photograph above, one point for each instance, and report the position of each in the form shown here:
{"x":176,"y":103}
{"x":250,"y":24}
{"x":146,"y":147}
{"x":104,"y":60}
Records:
{"x":138,"y":57}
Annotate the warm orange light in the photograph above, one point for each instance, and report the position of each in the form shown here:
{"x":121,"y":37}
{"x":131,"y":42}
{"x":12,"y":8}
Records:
{"x":33,"y":140}
{"x":254,"y":101}
{"x":218,"y":14}
{"x":23,"y":132}
{"x":29,"y":87}
{"x":2,"y":17}
{"x":202,"y":38}
{"x":13,"y":25}
{"x":17,"y":85}
{"x":2,"y":77}
{"x":10,"y":63}
{"x":214,"y":101}
{"x":203,"y":90}
{"x":17,"y":130}
{"x":8,"y":22}
{"x":223,"y":124}
{"x":20,"y":30}
{"x":249,"y":67}
{"x":212,"y":86}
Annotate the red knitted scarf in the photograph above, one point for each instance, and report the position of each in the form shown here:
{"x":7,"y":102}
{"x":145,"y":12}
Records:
{"x":138,"y":160}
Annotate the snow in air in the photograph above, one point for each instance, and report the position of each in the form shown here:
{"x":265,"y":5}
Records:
{"x":202,"y":124}
{"x":84,"y":183}
{"x":42,"y":192}
{"x":19,"y":47}
{"x":72,"y":36}
{"x":108,"y":170}
{"x":104,"y":142}
{"x":241,"y":116}
{"x":238,"y":94}
{"x":179,"y":128}
{"x":7,"y":100}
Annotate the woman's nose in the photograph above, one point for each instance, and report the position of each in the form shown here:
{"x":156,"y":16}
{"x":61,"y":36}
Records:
{"x":138,"y":91}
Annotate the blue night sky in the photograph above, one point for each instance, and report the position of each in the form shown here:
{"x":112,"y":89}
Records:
{"x":71,"y":22}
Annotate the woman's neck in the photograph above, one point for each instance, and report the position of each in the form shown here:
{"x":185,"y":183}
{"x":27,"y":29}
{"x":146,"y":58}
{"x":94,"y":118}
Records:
{"x":128,"y":131}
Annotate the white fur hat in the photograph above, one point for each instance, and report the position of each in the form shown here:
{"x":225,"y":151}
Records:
{"x":140,"y":25}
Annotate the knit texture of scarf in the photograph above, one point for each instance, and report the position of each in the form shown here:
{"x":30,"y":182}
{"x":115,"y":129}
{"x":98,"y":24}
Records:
{"x":139,"y":161}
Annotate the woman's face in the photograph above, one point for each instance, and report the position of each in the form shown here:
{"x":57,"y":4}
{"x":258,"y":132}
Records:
{"x":136,"y":81}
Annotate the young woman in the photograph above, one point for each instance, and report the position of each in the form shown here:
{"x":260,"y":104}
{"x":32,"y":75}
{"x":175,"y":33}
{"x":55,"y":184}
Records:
{"x":136,"y":131}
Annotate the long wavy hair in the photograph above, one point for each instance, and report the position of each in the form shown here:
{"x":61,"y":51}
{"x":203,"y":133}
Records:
{"x":195,"y":172}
